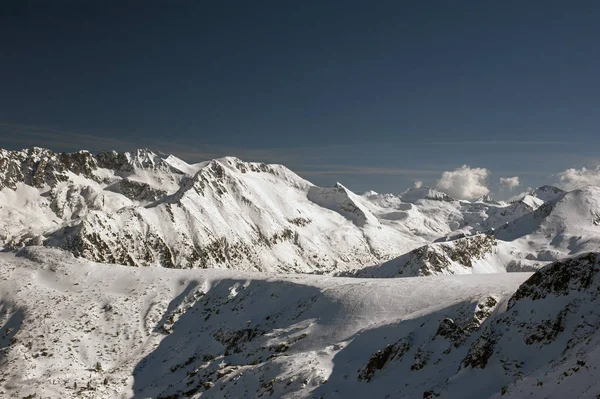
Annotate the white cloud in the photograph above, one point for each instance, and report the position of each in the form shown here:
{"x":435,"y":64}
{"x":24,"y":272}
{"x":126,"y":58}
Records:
{"x":465,"y":182}
{"x":418,"y":184}
{"x":572,"y":178}
{"x":510,"y":182}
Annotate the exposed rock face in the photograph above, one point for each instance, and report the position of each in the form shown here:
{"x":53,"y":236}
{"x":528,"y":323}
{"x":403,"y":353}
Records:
{"x":392,"y":352}
{"x":479,"y":353}
{"x":139,"y":190}
{"x":555,"y":308}
{"x":38,"y":167}
{"x":454,"y":257}
{"x":424,"y":349}
{"x":488,"y":199}
{"x":139,"y":159}
{"x":560,"y":278}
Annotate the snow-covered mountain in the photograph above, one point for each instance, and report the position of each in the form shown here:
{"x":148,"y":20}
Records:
{"x":144,"y":208}
{"x":495,"y":299}
{"x":545,"y":226}
{"x":568,"y":224}
{"x":72,"y":328}
{"x":547,"y":193}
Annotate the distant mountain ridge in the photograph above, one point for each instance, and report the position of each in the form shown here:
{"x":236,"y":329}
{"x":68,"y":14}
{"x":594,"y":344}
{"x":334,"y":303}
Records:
{"x":145,"y":208}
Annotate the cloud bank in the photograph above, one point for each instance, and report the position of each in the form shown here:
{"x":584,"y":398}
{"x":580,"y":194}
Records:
{"x":510,"y":182}
{"x":572,"y":178}
{"x":465,"y":182}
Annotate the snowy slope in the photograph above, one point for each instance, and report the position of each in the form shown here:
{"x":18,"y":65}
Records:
{"x":71,"y":328}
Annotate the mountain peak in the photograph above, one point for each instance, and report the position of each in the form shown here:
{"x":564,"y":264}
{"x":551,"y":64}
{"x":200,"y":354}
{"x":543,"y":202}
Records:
{"x":488,"y":199}
{"x":230,"y":160}
{"x":547,"y":193}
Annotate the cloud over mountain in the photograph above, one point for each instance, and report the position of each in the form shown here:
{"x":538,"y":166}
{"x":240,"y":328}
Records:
{"x":465,"y":182}
{"x":573,"y":178}
{"x":510,"y":182}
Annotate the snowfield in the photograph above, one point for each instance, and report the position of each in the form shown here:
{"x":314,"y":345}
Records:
{"x":72,"y":328}
{"x":138,"y":275}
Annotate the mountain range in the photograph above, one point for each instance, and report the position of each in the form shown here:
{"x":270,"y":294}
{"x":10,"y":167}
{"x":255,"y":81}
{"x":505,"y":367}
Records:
{"x":144,"y":209}
{"x":293,"y":290}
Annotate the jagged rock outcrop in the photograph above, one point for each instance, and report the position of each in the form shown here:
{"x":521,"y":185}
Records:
{"x":38,"y":167}
{"x":560,"y":279}
{"x":451,"y":257}
{"x":487,"y":199}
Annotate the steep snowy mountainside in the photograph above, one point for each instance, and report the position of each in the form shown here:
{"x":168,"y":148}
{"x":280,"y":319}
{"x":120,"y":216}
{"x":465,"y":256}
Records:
{"x":144,"y":175}
{"x":24,"y":212}
{"x":72,"y":328}
{"x":531,"y":201}
{"x":128,"y":173}
{"x":343,"y":201}
{"x":42,"y":190}
{"x":189,"y":169}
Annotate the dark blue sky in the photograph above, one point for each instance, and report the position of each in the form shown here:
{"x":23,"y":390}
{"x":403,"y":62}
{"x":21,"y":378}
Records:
{"x":374,"y":94}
